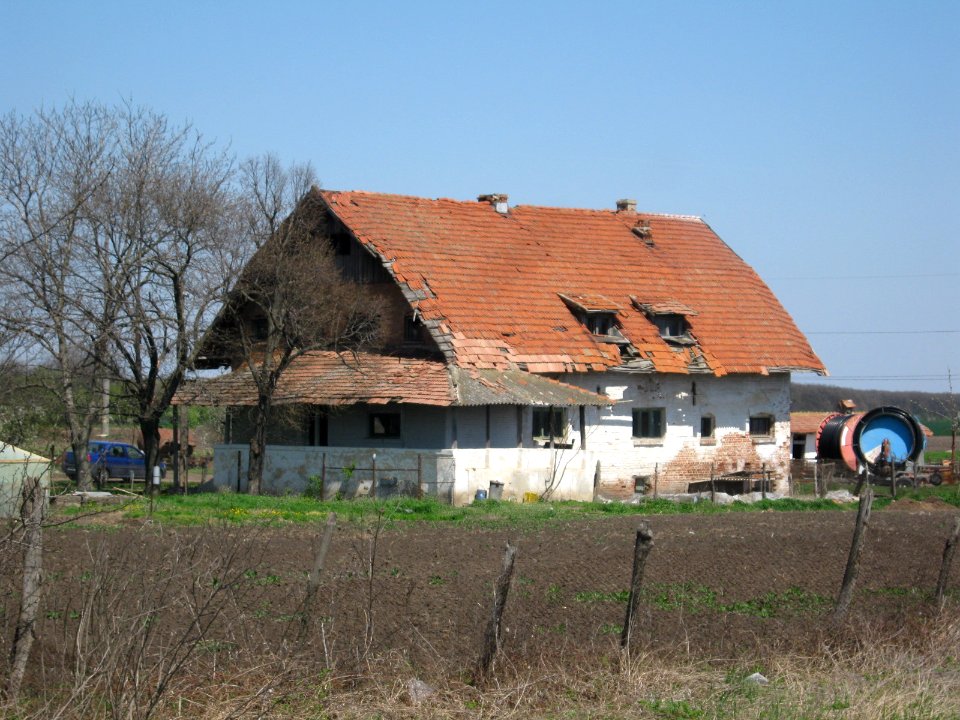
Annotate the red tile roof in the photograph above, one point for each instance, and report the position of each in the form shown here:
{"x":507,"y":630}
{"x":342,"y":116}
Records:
{"x":490,"y":284}
{"x":330,"y":378}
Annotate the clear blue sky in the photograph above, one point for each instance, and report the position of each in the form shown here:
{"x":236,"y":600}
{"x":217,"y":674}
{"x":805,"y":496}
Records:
{"x":821,"y":140}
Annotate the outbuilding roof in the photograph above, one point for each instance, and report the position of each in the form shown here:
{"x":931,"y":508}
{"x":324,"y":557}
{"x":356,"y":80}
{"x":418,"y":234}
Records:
{"x":346,"y":378}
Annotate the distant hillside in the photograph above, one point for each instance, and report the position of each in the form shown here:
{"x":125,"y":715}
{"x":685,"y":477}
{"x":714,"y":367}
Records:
{"x":933,"y":409}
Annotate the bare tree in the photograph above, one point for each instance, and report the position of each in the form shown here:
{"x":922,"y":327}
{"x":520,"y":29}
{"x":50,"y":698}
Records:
{"x":117,"y":231}
{"x":50,"y":166}
{"x":291,"y":298}
{"x":165,"y":224}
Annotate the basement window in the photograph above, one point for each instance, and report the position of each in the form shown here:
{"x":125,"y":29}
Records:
{"x":385,"y":425}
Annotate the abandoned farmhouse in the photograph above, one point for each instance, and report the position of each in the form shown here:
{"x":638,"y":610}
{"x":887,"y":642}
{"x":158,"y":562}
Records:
{"x":528,"y":350}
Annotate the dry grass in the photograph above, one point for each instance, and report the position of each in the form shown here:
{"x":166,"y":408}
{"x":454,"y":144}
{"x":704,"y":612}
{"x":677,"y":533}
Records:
{"x":863,"y":674}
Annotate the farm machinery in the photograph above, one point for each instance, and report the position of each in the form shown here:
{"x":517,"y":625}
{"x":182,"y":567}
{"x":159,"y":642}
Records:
{"x":884,"y":443}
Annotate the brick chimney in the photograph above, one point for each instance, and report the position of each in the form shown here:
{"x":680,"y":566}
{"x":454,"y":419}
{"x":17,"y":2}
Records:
{"x":498,"y":200}
{"x":626,"y":205}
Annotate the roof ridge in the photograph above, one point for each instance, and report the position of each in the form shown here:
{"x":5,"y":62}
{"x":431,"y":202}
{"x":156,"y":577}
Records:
{"x":560,"y":208}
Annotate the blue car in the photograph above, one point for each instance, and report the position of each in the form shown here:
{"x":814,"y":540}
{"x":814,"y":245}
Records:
{"x":110,"y":459}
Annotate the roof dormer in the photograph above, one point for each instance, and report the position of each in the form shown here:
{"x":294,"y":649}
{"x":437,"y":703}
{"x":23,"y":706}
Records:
{"x":597,"y":314}
{"x":671,"y":319}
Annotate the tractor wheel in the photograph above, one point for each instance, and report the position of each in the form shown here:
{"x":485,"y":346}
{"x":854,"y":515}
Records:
{"x":935,"y":478}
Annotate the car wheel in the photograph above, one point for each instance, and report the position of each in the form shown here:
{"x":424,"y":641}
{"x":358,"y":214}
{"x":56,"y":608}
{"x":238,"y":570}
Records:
{"x":103,"y":476}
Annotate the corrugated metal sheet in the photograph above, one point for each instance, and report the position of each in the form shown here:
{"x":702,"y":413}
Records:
{"x":516,"y":387}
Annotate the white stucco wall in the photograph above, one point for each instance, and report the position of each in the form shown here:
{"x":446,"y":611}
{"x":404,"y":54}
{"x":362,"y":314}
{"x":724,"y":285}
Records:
{"x":681,"y":455}
{"x":349,"y":472}
{"x":486,"y":451}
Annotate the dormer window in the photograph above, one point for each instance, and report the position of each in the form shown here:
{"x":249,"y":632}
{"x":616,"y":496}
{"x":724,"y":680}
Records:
{"x":601,"y":323}
{"x":671,"y":325}
{"x":597,"y":314}
{"x":670,"y":318}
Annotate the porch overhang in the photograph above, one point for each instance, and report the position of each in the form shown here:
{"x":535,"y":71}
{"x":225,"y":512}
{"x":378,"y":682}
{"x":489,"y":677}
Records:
{"x":337,"y":379}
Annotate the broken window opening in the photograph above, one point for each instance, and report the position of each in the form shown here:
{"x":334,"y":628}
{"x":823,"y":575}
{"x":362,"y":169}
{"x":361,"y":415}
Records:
{"x":340,"y":242}
{"x":384,"y":425}
{"x":549,"y":424}
{"x":412,"y":330}
{"x":708,"y":426}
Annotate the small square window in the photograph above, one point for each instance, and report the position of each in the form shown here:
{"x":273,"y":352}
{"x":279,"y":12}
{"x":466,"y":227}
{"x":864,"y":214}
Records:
{"x":761,"y":425}
{"x":340,"y":242}
{"x":549,"y":423}
{"x":385,"y":425}
{"x":649,"y":422}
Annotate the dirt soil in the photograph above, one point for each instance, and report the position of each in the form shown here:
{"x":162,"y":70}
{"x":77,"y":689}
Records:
{"x":431,"y":590}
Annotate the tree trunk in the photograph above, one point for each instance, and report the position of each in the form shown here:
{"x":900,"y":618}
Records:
{"x":258,"y":444}
{"x":183,"y":444}
{"x":150,"y":430}
{"x":31,"y":515}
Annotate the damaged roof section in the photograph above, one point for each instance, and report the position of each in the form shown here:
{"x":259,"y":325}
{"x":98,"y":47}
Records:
{"x":516,"y":387}
{"x":330,"y":378}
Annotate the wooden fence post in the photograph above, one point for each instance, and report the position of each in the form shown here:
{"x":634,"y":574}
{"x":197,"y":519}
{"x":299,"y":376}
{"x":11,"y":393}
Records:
{"x":713,"y":485}
{"x":948,"y":552}
{"x":33,"y":500}
{"x":853,"y":559}
{"x":641,"y":548}
{"x":656,"y":481}
{"x":419,"y":476}
{"x":491,"y":638}
{"x":313,"y":581}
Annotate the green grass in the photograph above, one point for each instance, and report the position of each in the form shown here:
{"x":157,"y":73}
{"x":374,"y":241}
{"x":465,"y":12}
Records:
{"x":241,"y":510}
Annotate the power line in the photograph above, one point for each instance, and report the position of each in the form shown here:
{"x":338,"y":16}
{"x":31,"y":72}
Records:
{"x":922,"y":276}
{"x":882,"y":332}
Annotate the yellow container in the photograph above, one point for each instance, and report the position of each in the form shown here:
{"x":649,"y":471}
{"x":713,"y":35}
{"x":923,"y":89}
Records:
{"x":531,"y":497}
